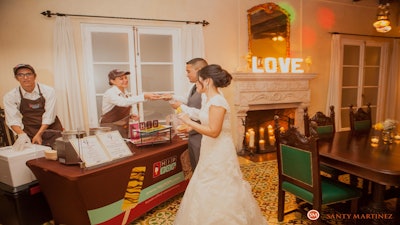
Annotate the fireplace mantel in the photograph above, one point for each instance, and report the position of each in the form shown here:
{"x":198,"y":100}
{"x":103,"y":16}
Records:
{"x":264,"y":91}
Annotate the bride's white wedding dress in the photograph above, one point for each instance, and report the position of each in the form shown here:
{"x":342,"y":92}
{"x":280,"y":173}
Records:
{"x":217,"y":193}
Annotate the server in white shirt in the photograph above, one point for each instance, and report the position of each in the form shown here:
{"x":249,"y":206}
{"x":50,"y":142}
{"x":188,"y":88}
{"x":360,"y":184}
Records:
{"x":30,"y":110}
{"x":119,"y":105}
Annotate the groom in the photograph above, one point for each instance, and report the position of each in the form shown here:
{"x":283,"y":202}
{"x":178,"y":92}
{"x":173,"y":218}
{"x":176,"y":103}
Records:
{"x":191,"y":104}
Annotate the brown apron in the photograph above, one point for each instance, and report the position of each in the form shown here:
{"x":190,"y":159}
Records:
{"x":118,"y":119}
{"x":32,"y":112}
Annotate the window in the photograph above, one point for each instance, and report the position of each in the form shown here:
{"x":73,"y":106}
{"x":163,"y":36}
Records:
{"x":158,"y":69}
{"x":151,"y":54}
{"x":363,"y":69}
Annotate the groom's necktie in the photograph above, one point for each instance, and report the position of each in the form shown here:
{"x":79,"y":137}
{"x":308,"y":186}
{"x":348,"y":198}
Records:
{"x":193,"y":91}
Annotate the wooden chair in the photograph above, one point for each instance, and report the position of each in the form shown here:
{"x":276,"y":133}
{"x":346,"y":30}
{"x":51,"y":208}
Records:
{"x":360,"y":120}
{"x":320,"y":124}
{"x":324,"y":127}
{"x":299,"y":174}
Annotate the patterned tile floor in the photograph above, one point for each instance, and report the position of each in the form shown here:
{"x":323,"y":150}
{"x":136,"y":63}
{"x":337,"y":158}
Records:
{"x":263,"y":178}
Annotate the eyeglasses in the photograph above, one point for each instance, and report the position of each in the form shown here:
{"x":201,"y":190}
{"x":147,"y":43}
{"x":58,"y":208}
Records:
{"x":20,"y":75}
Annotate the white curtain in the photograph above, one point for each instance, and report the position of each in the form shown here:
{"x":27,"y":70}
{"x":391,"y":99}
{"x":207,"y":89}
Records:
{"x":193,"y":41}
{"x":66,"y":78}
{"x":393,"y":94}
{"x":334,"y":80}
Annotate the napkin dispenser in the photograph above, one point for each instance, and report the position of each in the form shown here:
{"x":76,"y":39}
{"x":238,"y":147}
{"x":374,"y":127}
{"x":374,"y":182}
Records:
{"x":65,"y":151}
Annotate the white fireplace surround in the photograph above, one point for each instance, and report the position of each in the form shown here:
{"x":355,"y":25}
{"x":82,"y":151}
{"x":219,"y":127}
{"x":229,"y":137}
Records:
{"x":264,"y":91}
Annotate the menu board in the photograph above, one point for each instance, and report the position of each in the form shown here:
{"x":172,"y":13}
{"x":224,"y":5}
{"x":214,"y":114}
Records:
{"x":114,"y":144}
{"x":101,"y":148}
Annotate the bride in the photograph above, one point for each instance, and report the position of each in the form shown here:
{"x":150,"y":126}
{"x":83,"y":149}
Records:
{"x":217,"y":193}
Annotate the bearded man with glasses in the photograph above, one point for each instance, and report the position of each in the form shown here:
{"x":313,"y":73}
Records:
{"x":30,"y":110}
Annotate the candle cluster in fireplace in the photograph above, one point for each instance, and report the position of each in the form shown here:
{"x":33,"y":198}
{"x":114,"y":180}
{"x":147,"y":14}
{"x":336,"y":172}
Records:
{"x":265,"y":137}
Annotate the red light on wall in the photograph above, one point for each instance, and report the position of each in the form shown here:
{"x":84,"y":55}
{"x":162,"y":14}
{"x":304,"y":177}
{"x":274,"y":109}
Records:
{"x":325,"y":18}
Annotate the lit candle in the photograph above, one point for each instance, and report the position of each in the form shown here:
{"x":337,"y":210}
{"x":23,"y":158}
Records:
{"x":261,"y":144}
{"x":252,"y":136}
{"x":270,"y":130}
{"x":272,"y":140}
{"x":375,"y":139}
{"x":282,"y":129}
{"x":247,"y":138}
{"x":261,"y":133}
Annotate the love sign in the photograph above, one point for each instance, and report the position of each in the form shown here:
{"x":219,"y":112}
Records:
{"x":275,"y":65}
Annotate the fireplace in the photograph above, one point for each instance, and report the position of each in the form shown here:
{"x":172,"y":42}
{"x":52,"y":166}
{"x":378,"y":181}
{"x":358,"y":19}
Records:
{"x":271,"y":92}
{"x":259,"y":128}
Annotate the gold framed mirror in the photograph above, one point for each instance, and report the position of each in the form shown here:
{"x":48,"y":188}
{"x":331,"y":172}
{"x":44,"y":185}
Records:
{"x":269,"y":31}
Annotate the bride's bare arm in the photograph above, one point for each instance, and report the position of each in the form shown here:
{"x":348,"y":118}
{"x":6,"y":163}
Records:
{"x":216,"y":118}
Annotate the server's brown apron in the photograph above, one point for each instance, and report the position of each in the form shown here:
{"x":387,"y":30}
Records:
{"x":118,"y":119}
{"x":32,"y":113}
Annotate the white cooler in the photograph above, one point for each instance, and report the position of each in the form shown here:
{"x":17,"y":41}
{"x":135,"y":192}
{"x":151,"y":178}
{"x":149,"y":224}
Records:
{"x":13,"y":168}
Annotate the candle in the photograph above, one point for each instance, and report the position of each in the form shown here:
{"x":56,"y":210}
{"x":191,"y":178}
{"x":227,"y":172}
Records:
{"x":272,"y":140}
{"x":270,"y":130}
{"x":247,"y":138}
{"x":261,"y":144}
{"x":375,"y":139}
{"x":251,"y":141}
{"x":261,"y":133}
{"x":282,"y":129}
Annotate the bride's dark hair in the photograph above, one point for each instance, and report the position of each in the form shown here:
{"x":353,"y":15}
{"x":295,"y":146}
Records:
{"x":220,"y":77}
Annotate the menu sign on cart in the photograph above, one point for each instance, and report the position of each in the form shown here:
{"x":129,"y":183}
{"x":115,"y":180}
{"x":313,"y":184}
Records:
{"x":114,"y":144}
{"x":101,"y":148}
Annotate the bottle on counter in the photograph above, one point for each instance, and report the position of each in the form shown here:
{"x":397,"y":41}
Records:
{"x":134,"y":132}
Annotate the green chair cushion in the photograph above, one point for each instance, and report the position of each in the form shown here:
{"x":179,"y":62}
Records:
{"x":362,"y":125}
{"x":332,"y":191}
{"x":328,"y":129}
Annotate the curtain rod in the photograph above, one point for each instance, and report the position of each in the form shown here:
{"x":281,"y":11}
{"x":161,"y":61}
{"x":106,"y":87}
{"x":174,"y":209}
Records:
{"x":366,"y":35}
{"x":48,"y":13}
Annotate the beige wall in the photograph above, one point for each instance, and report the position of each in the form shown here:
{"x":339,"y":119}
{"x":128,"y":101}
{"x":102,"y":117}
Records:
{"x":26,"y":36}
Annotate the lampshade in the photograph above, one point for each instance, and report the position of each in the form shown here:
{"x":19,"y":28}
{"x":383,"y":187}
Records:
{"x":381,"y":23}
{"x":384,"y":29}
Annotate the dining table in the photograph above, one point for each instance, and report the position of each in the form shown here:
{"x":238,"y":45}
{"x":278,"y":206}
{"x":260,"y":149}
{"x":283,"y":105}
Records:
{"x":357,"y":155}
